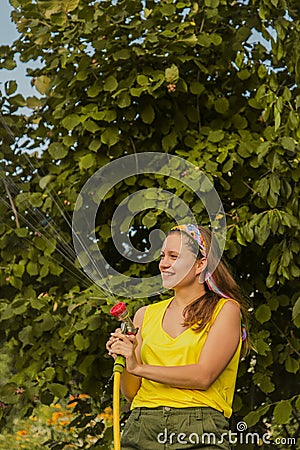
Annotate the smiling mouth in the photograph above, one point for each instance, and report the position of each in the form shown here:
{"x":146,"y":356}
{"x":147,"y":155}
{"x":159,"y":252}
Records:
{"x":167,"y":274}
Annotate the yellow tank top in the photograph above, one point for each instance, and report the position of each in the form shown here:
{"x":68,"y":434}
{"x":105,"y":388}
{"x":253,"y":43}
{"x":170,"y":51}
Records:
{"x":160,"y":349}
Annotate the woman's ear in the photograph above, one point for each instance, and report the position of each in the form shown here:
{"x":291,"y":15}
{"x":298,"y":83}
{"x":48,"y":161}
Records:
{"x":201,"y":265}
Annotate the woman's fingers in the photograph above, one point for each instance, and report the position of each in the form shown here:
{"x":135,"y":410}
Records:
{"x":120,"y":343}
{"x":123,"y":347}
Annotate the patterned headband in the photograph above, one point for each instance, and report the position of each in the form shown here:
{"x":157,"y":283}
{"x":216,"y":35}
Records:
{"x":193,"y":232}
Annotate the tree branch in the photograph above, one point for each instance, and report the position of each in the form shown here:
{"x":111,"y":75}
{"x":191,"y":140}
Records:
{"x":11,"y":201}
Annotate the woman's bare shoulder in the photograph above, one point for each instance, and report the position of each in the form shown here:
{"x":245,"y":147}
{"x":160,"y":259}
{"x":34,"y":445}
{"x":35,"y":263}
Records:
{"x":139,"y":316}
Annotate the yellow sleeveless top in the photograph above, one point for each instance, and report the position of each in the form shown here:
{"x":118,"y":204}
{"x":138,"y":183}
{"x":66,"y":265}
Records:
{"x":160,"y":349}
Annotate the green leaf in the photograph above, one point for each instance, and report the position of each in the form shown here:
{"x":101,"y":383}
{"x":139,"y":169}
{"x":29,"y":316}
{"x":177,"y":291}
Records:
{"x":190,"y":40}
{"x":8,"y":393}
{"x":222,"y":105}
{"x":169,"y":141}
{"x":282,"y":412}
{"x":32,"y":268}
{"x":81,"y":342}
{"x":59,"y":390}
{"x":44,"y":271}
{"x":216,"y":135}
{"x":227,"y":166}
{"x":46,"y":322}
{"x":26,"y":335}
{"x":148,"y":114}
{"x":46,"y":397}
{"x":57,"y":150}
{"x":91,"y":126}
{"x":21,"y":232}
{"x":94,"y":145}
{"x":239,"y":122}
{"x":204,"y":39}
{"x":142,"y":80}
{"x":36,"y":199}
{"x":291,"y":365}
{"x":293,"y":120}
{"x":150,"y":219}
{"x":216,"y":39}
{"x":55,"y":269}
{"x":84,"y":367}
{"x":110,"y":136}
{"x":277,"y":116}
{"x":122,"y":54}
{"x":94,"y":90}
{"x":288,"y":143}
{"x":69,"y":5}
{"x":244,"y":150}
{"x":168,"y":9}
{"x":42,"y":84}
{"x":266,"y":385}
{"x":8,"y":63}
{"x":44,"y":181}
{"x":212,"y":3}
{"x":49,"y":373}
{"x":18,"y":100}
{"x":37,"y":303}
{"x":123,"y":100}
{"x":196,"y":88}
{"x":263,"y":313}
{"x":18,"y":270}
{"x":136,"y":92}
{"x":296,"y":313}
{"x":110,"y":84}
{"x":244,"y":74}
{"x":172,"y":74}
{"x":252,"y":418}
{"x":87,"y":161}
{"x":10,"y":87}
{"x":71,"y":121}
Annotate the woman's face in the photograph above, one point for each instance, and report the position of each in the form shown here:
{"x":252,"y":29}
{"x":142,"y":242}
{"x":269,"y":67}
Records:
{"x":178,"y":265}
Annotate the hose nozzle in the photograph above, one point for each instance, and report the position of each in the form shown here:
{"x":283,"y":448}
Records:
{"x":120,"y":312}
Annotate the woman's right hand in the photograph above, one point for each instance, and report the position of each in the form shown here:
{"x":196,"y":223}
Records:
{"x":111,"y":341}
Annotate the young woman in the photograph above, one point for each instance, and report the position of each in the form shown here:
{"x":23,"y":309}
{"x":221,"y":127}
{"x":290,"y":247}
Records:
{"x":181,"y":367}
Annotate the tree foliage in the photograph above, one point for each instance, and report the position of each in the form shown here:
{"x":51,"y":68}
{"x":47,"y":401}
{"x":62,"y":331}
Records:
{"x":215,"y":82}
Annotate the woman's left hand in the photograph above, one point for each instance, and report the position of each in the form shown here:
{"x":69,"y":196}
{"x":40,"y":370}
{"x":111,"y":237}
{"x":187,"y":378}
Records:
{"x":125,"y":345}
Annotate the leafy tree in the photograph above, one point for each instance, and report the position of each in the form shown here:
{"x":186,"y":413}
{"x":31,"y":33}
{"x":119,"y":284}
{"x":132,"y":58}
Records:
{"x":121,"y":77}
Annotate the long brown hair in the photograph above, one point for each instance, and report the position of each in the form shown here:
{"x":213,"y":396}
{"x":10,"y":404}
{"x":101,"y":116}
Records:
{"x":199,"y":313}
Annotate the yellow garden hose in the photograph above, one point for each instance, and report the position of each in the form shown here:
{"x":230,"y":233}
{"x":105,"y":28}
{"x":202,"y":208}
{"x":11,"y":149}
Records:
{"x":116,"y":410}
{"x":118,"y":369}
{"x":120,"y":312}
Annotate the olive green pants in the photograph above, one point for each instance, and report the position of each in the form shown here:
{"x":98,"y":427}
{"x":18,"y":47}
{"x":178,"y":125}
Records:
{"x":166,"y":428}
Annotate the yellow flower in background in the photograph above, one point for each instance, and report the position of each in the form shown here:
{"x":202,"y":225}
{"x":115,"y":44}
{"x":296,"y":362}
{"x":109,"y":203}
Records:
{"x":72,"y":405}
{"x":83,"y":396}
{"x":22,"y":433}
{"x":106,"y":416}
{"x":57,"y":415}
{"x":64,"y":422}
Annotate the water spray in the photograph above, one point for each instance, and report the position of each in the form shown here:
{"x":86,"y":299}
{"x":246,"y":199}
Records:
{"x":119,"y":311}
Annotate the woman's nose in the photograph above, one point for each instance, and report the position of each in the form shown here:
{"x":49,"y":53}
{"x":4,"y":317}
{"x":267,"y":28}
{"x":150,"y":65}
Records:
{"x":164,"y":263}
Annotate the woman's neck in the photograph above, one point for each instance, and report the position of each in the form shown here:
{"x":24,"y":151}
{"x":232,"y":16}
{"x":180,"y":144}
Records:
{"x":185,"y":296}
